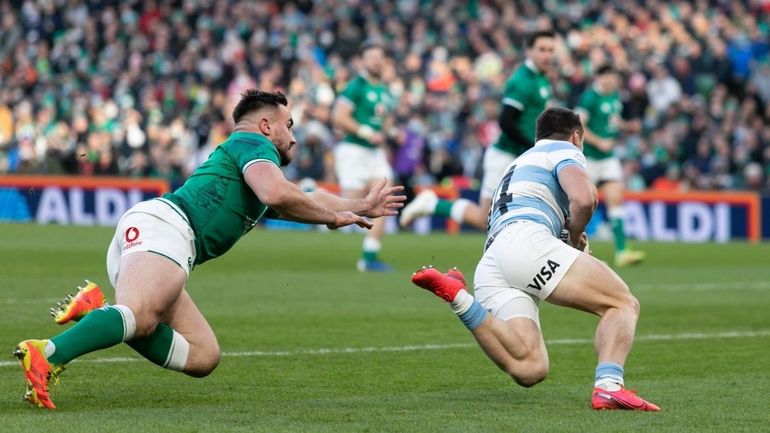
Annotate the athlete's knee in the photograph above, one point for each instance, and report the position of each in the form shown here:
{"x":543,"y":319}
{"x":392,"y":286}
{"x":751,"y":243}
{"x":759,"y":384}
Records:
{"x":626,"y":304}
{"x":529,"y":370}
{"x":146,"y":323}
{"x":204,"y":361}
{"x":632,"y":304}
{"x":529,"y":374}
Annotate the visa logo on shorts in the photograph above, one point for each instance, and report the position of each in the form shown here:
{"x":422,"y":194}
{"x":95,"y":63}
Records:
{"x":545,"y":274}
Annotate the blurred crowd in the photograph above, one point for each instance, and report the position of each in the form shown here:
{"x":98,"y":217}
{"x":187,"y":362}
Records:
{"x":146,"y":88}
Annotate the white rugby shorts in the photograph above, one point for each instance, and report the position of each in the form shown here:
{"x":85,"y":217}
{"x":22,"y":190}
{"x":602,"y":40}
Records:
{"x":604,"y":170}
{"x":358,"y":166}
{"x":157,"y":226}
{"x":494,"y":164}
{"x":525,"y":261}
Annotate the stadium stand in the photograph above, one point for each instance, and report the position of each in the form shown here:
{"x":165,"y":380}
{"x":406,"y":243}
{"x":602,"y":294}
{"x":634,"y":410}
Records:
{"x":145,"y":88}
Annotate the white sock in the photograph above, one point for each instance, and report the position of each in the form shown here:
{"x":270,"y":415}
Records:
{"x":462,"y":302}
{"x":177,"y":356}
{"x":50,"y":349}
{"x":608,"y":384}
{"x":458,"y":209}
{"x":371,"y":244}
{"x":129,"y":321}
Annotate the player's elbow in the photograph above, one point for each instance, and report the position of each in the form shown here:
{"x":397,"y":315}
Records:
{"x":584,"y":202}
{"x":338,"y":116}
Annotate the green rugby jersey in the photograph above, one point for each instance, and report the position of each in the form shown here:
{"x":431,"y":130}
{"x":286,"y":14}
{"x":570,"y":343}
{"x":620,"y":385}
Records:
{"x":603,"y":112}
{"x":220,"y":205}
{"x":371,"y":103}
{"x":528,"y":90}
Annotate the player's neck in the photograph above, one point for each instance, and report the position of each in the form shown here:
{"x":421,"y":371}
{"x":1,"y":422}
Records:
{"x":370,"y":78}
{"x":598,"y":89}
{"x":531,"y":65}
{"x":246,"y":126}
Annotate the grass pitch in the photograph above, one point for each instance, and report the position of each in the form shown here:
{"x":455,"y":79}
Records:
{"x":310,"y":345}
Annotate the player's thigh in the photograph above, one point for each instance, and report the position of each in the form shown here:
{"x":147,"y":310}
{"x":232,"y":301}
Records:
{"x":149,"y":260}
{"x":613,"y":193}
{"x":590,"y":285}
{"x":514,"y":308}
{"x":495,"y":162}
{"x":149,"y":284}
{"x":530,"y":334}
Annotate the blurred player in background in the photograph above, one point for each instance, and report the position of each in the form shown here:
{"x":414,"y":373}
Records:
{"x":157,"y":243}
{"x":600,"y":110}
{"x":527,"y":93}
{"x":524,"y":261}
{"x":362,"y":112}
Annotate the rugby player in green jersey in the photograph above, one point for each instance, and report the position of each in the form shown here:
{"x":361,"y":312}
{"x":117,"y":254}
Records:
{"x":600,"y":110}
{"x":526,"y":94}
{"x":362,"y":112}
{"x":157,"y":243}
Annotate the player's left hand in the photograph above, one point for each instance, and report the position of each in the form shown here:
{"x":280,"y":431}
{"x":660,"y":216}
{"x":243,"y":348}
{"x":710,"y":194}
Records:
{"x":383,"y":201}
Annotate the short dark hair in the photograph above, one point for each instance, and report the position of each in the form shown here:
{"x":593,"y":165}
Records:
{"x":532,"y":39}
{"x":557,"y":123}
{"x":605,"y":69}
{"x":254,"y":99}
{"x":371,"y":45}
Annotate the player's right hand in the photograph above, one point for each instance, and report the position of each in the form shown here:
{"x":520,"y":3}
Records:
{"x":580,"y":242}
{"x":342,"y":219}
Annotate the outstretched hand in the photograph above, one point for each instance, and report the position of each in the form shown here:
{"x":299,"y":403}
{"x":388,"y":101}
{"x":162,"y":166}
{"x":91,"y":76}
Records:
{"x":342,"y":219}
{"x":382,"y":201}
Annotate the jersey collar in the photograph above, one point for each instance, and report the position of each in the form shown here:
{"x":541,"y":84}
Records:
{"x":531,"y":65}
{"x":544,"y":142}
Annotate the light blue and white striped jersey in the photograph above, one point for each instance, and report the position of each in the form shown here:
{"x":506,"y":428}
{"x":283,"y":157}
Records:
{"x":530,"y":188}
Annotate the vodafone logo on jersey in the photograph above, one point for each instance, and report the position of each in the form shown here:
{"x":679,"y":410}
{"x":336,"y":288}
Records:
{"x":132,"y":234}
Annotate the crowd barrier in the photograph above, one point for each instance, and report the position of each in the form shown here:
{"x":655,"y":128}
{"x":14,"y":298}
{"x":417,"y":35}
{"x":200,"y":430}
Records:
{"x":699,"y":216}
{"x":73,"y":200}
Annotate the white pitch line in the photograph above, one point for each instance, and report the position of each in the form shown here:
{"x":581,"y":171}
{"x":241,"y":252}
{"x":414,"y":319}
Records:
{"x":426,"y":347}
{"x":29,"y":301}
{"x":703,"y":286}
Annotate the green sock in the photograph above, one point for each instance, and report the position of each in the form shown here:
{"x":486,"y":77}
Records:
{"x":371,"y":249}
{"x":161,"y":346}
{"x":443,"y":208}
{"x":101,"y":328}
{"x":369,"y":256}
{"x":620,"y":234}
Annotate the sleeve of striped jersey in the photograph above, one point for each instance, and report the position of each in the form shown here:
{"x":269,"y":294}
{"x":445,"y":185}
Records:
{"x":247,"y":152}
{"x":565,"y":158}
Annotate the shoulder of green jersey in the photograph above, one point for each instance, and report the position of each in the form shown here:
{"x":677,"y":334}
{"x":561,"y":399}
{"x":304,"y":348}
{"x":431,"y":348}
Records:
{"x":254,"y":161}
{"x":513,"y":103}
{"x":583,"y":112}
{"x":345,"y":100}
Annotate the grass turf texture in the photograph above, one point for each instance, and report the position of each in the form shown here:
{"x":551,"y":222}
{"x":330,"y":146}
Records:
{"x":703,"y":352}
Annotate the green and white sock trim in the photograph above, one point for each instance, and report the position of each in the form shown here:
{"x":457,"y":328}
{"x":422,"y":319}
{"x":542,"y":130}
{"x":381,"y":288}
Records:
{"x":177,"y":355}
{"x":458,"y":209}
{"x":129,"y":320}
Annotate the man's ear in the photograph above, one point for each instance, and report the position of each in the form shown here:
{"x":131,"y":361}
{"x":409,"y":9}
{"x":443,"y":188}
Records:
{"x":264,"y":127}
